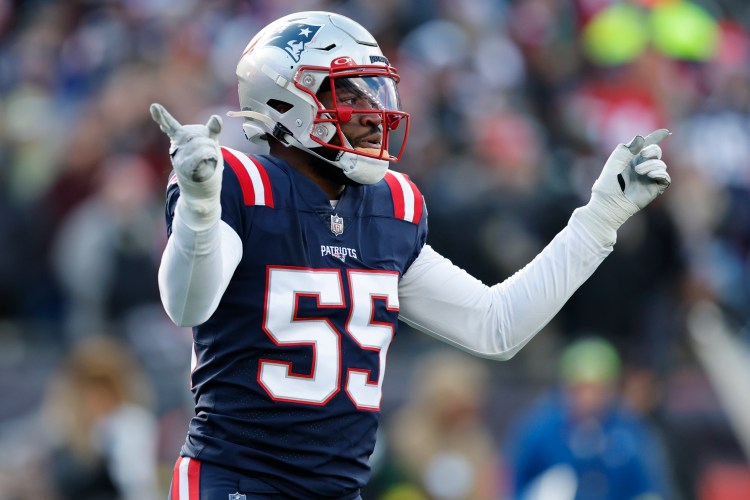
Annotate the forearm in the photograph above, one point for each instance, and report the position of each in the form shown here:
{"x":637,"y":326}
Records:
{"x":446,"y":302}
{"x":196,"y":267}
{"x":202,"y":252}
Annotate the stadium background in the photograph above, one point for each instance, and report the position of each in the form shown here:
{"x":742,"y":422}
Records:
{"x":514,"y":104}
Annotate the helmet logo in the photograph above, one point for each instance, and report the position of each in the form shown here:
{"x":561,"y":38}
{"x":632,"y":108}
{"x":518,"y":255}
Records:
{"x":293,"y":38}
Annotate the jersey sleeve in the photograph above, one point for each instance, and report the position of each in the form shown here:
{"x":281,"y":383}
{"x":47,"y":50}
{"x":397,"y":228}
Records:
{"x":408,"y":205}
{"x":446,"y":302}
{"x":246,"y":183}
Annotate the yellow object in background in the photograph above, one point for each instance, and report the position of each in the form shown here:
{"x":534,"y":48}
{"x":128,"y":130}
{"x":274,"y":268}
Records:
{"x":684,"y":30}
{"x":616,"y":35}
{"x":679,"y":29}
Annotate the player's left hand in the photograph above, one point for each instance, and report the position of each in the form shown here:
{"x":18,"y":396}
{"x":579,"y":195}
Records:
{"x":632,"y":177}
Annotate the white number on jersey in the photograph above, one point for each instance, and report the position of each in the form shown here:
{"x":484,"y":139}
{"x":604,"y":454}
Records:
{"x":284,"y":288}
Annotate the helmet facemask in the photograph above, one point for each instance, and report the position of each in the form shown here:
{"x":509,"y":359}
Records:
{"x":359,"y":94}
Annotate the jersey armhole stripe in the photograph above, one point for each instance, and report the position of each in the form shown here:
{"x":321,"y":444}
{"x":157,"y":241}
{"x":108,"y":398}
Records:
{"x":253,"y":178}
{"x":407,"y":200}
{"x":397,"y":195}
{"x":265,"y":180}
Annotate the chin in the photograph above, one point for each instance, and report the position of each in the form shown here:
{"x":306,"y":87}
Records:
{"x":327,"y":170}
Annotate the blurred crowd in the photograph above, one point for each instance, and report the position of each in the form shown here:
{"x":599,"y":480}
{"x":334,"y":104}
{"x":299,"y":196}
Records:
{"x":515,"y":105}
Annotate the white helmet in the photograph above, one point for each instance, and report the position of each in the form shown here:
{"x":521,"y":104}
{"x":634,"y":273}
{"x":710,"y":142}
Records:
{"x":285,"y":65}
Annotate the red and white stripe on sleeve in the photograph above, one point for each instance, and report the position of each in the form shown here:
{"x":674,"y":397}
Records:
{"x":254,"y":181}
{"x":186,"y":479}
{"x":407,"y":200}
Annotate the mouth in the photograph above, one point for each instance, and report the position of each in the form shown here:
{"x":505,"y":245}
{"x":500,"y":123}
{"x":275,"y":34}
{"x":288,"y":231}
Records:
{"x":373,"y":141}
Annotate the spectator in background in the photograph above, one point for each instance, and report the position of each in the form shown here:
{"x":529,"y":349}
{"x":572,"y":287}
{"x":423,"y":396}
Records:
{"x":582,"y":439}
{"x":104,"y":255}
{"x":439,"y":444}
{"x":102,"y":434}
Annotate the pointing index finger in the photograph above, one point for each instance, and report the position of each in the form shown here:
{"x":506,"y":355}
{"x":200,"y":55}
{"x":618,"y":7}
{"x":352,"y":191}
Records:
{"x":639,"y":142}
{"x":166,"y":122}
{"x":656,"y":137}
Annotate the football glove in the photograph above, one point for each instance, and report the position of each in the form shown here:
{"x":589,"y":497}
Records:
{"x":632,"y":177}
{"x":196,"y":159}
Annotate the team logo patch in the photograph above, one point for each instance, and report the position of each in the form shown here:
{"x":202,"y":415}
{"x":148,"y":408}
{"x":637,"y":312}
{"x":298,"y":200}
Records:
{"x":237,"y":496}
{"x":293,"y":38}
{"x":337,"y":225}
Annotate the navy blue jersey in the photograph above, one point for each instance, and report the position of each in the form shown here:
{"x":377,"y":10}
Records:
{"x":288,"y":371}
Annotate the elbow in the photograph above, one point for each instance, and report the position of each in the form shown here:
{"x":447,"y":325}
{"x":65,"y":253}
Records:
{"x":500,"y":355}
{"x":186,"y":322}
{"x":177,"y":317}
{"x":183,"y":319}
{"x":494,"y":354}
{"x":181,"y":315}
{"x":504,"y":356}
{"x":498,"y":347}
{"x":177,"y":304}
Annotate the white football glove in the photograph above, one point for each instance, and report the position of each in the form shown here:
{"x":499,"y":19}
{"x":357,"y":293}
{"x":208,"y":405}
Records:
{"x":197,"y":161}
{"x":633,"y":176}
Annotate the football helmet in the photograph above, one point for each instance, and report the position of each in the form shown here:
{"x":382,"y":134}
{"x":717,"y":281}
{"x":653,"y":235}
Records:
{"x":289,"y":62}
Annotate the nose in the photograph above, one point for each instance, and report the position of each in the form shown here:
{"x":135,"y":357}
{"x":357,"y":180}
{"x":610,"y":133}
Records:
{"x":371,"y":119}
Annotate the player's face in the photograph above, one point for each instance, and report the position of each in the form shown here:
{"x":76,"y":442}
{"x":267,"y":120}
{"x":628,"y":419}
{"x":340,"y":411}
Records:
{"x":363,"y":130}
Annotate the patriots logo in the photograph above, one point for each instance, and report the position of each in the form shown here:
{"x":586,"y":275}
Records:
{"x":293,"y":38}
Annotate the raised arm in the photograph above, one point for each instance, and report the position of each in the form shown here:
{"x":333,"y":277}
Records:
{"x":203,"y":251}
{"x":496,"y":322}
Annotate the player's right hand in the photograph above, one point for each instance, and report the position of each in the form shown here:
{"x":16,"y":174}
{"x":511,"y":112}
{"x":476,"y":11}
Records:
{"x":194,"y":149}
{"x":197,"y":161}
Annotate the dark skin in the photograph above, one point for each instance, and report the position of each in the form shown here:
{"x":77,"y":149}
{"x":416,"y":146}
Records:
{"x":363,"y":130}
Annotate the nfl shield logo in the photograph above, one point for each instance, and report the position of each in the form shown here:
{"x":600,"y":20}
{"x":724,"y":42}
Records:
{"x":337,"y":225}
{"x":237,"y":496}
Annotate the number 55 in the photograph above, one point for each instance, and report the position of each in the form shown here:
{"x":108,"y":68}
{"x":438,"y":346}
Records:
{"x":284,"y":287}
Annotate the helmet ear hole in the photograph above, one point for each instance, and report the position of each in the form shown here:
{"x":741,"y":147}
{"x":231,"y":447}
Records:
{"x":280,"y":106}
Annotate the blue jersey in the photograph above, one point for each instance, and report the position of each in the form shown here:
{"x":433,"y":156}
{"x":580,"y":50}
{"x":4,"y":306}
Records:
{"x":287,"y":372}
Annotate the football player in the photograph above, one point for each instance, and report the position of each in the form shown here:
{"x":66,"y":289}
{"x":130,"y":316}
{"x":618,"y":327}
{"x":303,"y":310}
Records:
{"x":294,"y":267}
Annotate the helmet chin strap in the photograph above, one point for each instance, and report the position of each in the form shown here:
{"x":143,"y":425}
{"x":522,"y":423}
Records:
{"x":360,"y":169}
